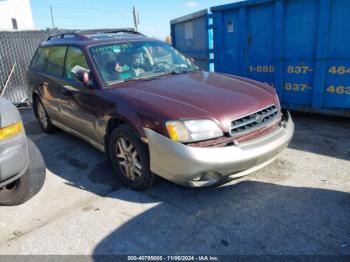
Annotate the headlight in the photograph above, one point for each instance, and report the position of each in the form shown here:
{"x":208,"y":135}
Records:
{"x":12,"y":130}
{"x":193,"y":130}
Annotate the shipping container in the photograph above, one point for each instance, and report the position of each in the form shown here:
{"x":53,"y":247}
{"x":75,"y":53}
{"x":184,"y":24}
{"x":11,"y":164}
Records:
{"x":301,"y":47}
{"x":190,"y":35}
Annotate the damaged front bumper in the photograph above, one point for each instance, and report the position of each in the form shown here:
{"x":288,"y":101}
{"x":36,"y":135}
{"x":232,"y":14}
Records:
{"x":199,"y":167}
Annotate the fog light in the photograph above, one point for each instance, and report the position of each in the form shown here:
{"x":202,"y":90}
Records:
{"x":206,"y":179}
{"x":197,"y":178}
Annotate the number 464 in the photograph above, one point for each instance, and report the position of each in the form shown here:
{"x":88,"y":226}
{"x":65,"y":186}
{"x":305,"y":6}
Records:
{"x":341,"y":70}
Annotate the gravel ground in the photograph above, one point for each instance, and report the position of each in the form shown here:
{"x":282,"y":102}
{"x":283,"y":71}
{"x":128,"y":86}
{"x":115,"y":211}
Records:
{"x":300,"y":204}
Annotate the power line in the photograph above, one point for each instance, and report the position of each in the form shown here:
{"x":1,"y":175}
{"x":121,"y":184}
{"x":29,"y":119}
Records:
{"x":89,"y":27}
{"x":55,"y":18}
{"x":83,"y":8}
{"x":82,"y":18}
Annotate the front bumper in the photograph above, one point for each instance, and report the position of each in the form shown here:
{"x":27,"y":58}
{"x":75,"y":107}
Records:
{"x":197,"y":167}
{"x":13,"y":158}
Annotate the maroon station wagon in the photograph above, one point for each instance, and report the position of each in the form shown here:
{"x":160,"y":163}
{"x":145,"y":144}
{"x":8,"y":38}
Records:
{"x":153,"y":112}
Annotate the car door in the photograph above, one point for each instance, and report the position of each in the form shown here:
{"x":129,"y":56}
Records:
{"x":47,"y":67}
{"x":79,"y":109}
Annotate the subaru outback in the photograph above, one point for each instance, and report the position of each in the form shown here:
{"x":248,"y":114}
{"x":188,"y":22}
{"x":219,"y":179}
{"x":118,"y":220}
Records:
{"x":153,"y":112}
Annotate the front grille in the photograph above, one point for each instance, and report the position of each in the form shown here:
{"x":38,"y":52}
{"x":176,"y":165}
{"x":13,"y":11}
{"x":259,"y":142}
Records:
{"x":254,"y":121}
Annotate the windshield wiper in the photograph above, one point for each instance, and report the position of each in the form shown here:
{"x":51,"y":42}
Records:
{"x":114,"y":82}
{"x":179,"y":72}
{"x":173,"y":72}
{"x":132,"y":79}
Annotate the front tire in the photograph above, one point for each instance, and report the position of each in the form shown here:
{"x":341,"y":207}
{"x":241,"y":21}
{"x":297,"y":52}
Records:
{"x":130,"y":159}
{"x":29,"y":184}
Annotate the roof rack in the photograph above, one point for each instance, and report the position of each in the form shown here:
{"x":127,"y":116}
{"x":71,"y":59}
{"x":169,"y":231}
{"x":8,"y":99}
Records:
{"x":67,"y":35}
{"x":84,"y":35}
{"x":127,"y":30}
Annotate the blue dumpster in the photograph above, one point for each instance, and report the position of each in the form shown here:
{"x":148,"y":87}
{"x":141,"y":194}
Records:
{"x":190,"y":35}
{"x":301,"y":47}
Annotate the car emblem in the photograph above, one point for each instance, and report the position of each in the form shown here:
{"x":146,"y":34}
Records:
{"x":259,"y":119}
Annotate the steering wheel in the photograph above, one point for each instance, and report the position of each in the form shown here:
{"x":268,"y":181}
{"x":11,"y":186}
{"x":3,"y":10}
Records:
{"x":160,"y":67}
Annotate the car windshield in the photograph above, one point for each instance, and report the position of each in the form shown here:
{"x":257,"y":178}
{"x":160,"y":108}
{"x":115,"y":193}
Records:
{"x":139,"y":60}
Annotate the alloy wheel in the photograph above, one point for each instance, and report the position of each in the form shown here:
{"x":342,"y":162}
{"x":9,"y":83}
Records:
{"x":128,"y":159}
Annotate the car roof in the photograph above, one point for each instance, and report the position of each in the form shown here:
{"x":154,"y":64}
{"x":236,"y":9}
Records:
{"x":86,"y":39}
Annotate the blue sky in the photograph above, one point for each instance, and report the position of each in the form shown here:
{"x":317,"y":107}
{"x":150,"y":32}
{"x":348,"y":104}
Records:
{"x":154,"y":14}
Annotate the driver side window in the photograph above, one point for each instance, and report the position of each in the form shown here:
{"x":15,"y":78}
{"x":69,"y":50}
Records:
{"x":75,"y":61}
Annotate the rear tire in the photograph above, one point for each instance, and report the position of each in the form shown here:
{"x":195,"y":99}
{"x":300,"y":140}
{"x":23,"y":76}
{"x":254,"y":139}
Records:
{"x":29,"y":184}
{"x":130,"y":159}
{"x":43,"y":117}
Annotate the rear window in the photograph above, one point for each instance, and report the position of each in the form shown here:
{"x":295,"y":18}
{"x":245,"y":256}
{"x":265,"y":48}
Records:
{"x":49,"y":60}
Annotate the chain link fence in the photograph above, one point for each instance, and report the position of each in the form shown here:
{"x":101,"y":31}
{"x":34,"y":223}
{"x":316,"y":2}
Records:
{"x":16,"y":51}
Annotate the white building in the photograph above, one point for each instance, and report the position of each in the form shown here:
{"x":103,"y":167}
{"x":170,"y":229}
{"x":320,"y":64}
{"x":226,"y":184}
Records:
{"x":16,"y":15}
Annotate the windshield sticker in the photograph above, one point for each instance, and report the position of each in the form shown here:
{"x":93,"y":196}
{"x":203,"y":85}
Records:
{"x":114,"y":48}
{"x":78,"y":68}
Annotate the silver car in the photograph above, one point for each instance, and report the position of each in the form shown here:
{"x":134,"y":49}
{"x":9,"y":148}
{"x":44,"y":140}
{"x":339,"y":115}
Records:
{"x":22,"y":168}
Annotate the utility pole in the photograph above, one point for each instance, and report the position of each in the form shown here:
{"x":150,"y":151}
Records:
{"x":136,"y":18}
{"x":52,"y":21}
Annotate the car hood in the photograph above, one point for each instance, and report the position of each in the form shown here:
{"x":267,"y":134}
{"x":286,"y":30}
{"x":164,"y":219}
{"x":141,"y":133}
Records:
{"x":201,"y":95}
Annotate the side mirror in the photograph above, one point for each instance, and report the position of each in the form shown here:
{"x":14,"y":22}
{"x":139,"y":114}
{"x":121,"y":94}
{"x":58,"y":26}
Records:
{"x":83,"y":77}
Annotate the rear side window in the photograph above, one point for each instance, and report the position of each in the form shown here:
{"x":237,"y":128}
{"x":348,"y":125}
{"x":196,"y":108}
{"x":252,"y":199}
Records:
{"x":75,"y":61}
{"x":49,"y":60}
{"x":38,"y":62}
{"x":55,"y":60}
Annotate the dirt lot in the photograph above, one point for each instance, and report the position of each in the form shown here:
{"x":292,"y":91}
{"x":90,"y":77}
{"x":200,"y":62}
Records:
{"x":300,"y":204}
